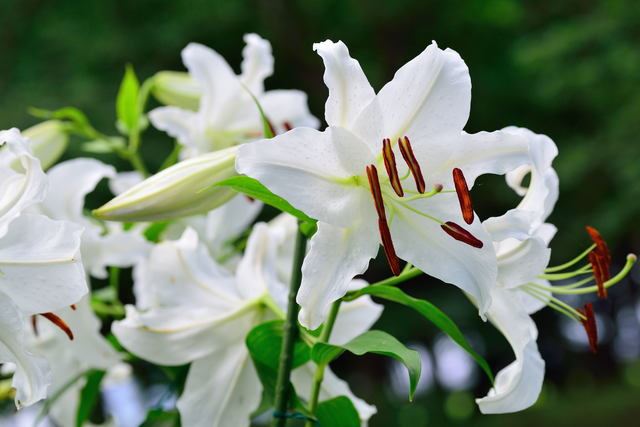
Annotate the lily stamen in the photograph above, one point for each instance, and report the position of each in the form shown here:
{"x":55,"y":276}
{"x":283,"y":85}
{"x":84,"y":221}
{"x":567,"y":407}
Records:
{"x":460,"y":234}
{"x":390,"y":166}
{"x":56,"y":320}
{"x":600,"y":272}
{"x":572,"y":262}
{"x":34,"y":324}
{"x":383,"y":226}
{"x":412,"y":163}
{"x":464,"y":197}
{"x":600,"y":243}
{"x":590,"y":326}
{"x":287,"y":126}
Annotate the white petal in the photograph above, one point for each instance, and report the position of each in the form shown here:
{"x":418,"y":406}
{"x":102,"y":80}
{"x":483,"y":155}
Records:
{"x":314,"y":171}
{"x":517,"y":386}
{"x":476,"y":154}
{"x":221,"y":390}
{"x":217,"y":80}
{"x":40,"y":263}
{"x":175,"y":121}
{"x":257,"y":63}
{"x":32,"y":377}
{"x":258,"y":267}
{"x":521,"y":262}
{"x":336,"y":256}
{"x":23,"y":181}
{"x":349,"y":89}
{"x":422,"y":242}
{"x":332,"y":386}
{"x":355,"y":318}
{"x":124,"y":181}
{"x":288,"y":106}
{"x":182,"y":334}
{"x":182,"y":273}
{"x":429,"y":95}
{"x":69,"y":183}
{"x":515,"y":224}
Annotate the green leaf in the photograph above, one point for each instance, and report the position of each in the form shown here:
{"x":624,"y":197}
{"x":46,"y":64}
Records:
{"x":76,"y":119}
{"x":254,"y":188}
{"x":89,"y":396}
{"x":337,"y":412}
{"x":264,"y":342}
{"x":267,"y":128}
{"x":161,"y":418}
{"x":377,"y":342}
{"x":431,"y":313}
{"x":127,"y":105}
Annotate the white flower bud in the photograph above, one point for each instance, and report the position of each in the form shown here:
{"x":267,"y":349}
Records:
{"x":177,"y":89}
{"x":48,"y":141}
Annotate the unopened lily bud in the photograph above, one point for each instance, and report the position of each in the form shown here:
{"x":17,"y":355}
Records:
{"x":48,"y":141}
{"x":186,"y":188}
{"x":177,"y":89}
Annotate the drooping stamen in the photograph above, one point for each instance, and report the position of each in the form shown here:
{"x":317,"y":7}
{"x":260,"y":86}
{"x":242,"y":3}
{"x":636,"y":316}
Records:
{"x":59,"y":323}
{"x":412,"y":163}
{"x":590,"y":327}
{"x":390,"y":166}
{"x":463,"y":195}
{"x":600,"y":272}
{"x":383,"y":226}
{"x":459,"y":233}
{"x":287,"y":126}
{"x":602,"y":246}
{"x":34,"y":324}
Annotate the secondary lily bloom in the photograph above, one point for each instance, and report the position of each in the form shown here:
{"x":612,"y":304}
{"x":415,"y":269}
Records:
{"x":184,"y":189}
{"x":192,"y":310}
{"x":88,"y":350}
{"x":398,"y":162}
{"x":227,"y":114}
{"x":521,"y":238}
{"x":103,"y":244}
{"x":40,"y":264}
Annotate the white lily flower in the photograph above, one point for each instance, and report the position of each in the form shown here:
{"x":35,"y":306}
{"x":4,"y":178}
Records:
{"x":192,"y":310}
{"x":227,"y":113}
{"x":176,"y":88}
{"x":89,"y":350}
{"x":40,"y":265}
{"x":103,"y":245}
{"x":184,"y":189}
{"x":332,"y":176}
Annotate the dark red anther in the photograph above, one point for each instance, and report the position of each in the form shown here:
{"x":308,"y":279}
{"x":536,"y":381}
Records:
{"x":383,"y":226}
{"x":601,"y":245}
{"x":34,"y":324}
{"x":463,"y":195}
{"x":73,"y":307}
{"x":590,"y":326}
{"x":412,"y":163}
{"x":600,"y":271}
{"x":459,"y":233}
{"x":390,"y":165}
{"x":56,"y":320}
{"x":287,"y":126}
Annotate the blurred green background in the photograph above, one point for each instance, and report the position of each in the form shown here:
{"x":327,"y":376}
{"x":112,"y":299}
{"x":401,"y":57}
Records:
{"x":568,"y":69}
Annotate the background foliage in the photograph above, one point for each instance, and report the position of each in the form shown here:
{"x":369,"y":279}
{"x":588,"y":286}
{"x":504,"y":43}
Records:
{"x":569,"y":69}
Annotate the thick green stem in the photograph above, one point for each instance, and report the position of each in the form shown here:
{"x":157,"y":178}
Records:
{"x":318,"y":376}
{"x":290,"y":334}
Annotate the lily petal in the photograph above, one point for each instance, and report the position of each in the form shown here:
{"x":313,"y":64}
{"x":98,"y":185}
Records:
{"x":288,"y":107}
{"x":349,"y":89}
{"x":317,"y":172}
{"x":40,"y":263}
{"x":520,"y":262}
{"x":177,"y":122}
{"x":336,"y":256}
{"x":257,"y":63}
{"x":428,"y":96}
{"x":32,"y":377}
{"x":355,"y":317}
{"x":222,"y":390}
{"x":517,"y":386}
{"x":471,"y":269}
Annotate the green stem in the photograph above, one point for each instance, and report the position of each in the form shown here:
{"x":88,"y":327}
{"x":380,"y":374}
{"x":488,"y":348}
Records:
{"x":318,"y":376}
{"x":290,"y":333}
{"x":114,"y":280}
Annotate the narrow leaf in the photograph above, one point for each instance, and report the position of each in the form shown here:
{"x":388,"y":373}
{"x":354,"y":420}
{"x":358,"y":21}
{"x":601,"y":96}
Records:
{"x":431,"y":313}
{"x":127,"y":105}
{"x":377,"y":342}
{"x":253,"y":188}
{"x":337,"y":412}
{"x":89,"y":396}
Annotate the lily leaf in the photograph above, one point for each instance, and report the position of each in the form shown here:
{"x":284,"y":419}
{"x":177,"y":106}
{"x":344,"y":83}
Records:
{"x":337,"y":412}
{"x":431,"y":313}
{"x":89,"y":396}
{"x":254,"y":188}
{"x":127,"y":106}
{"x":377,"y":342}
